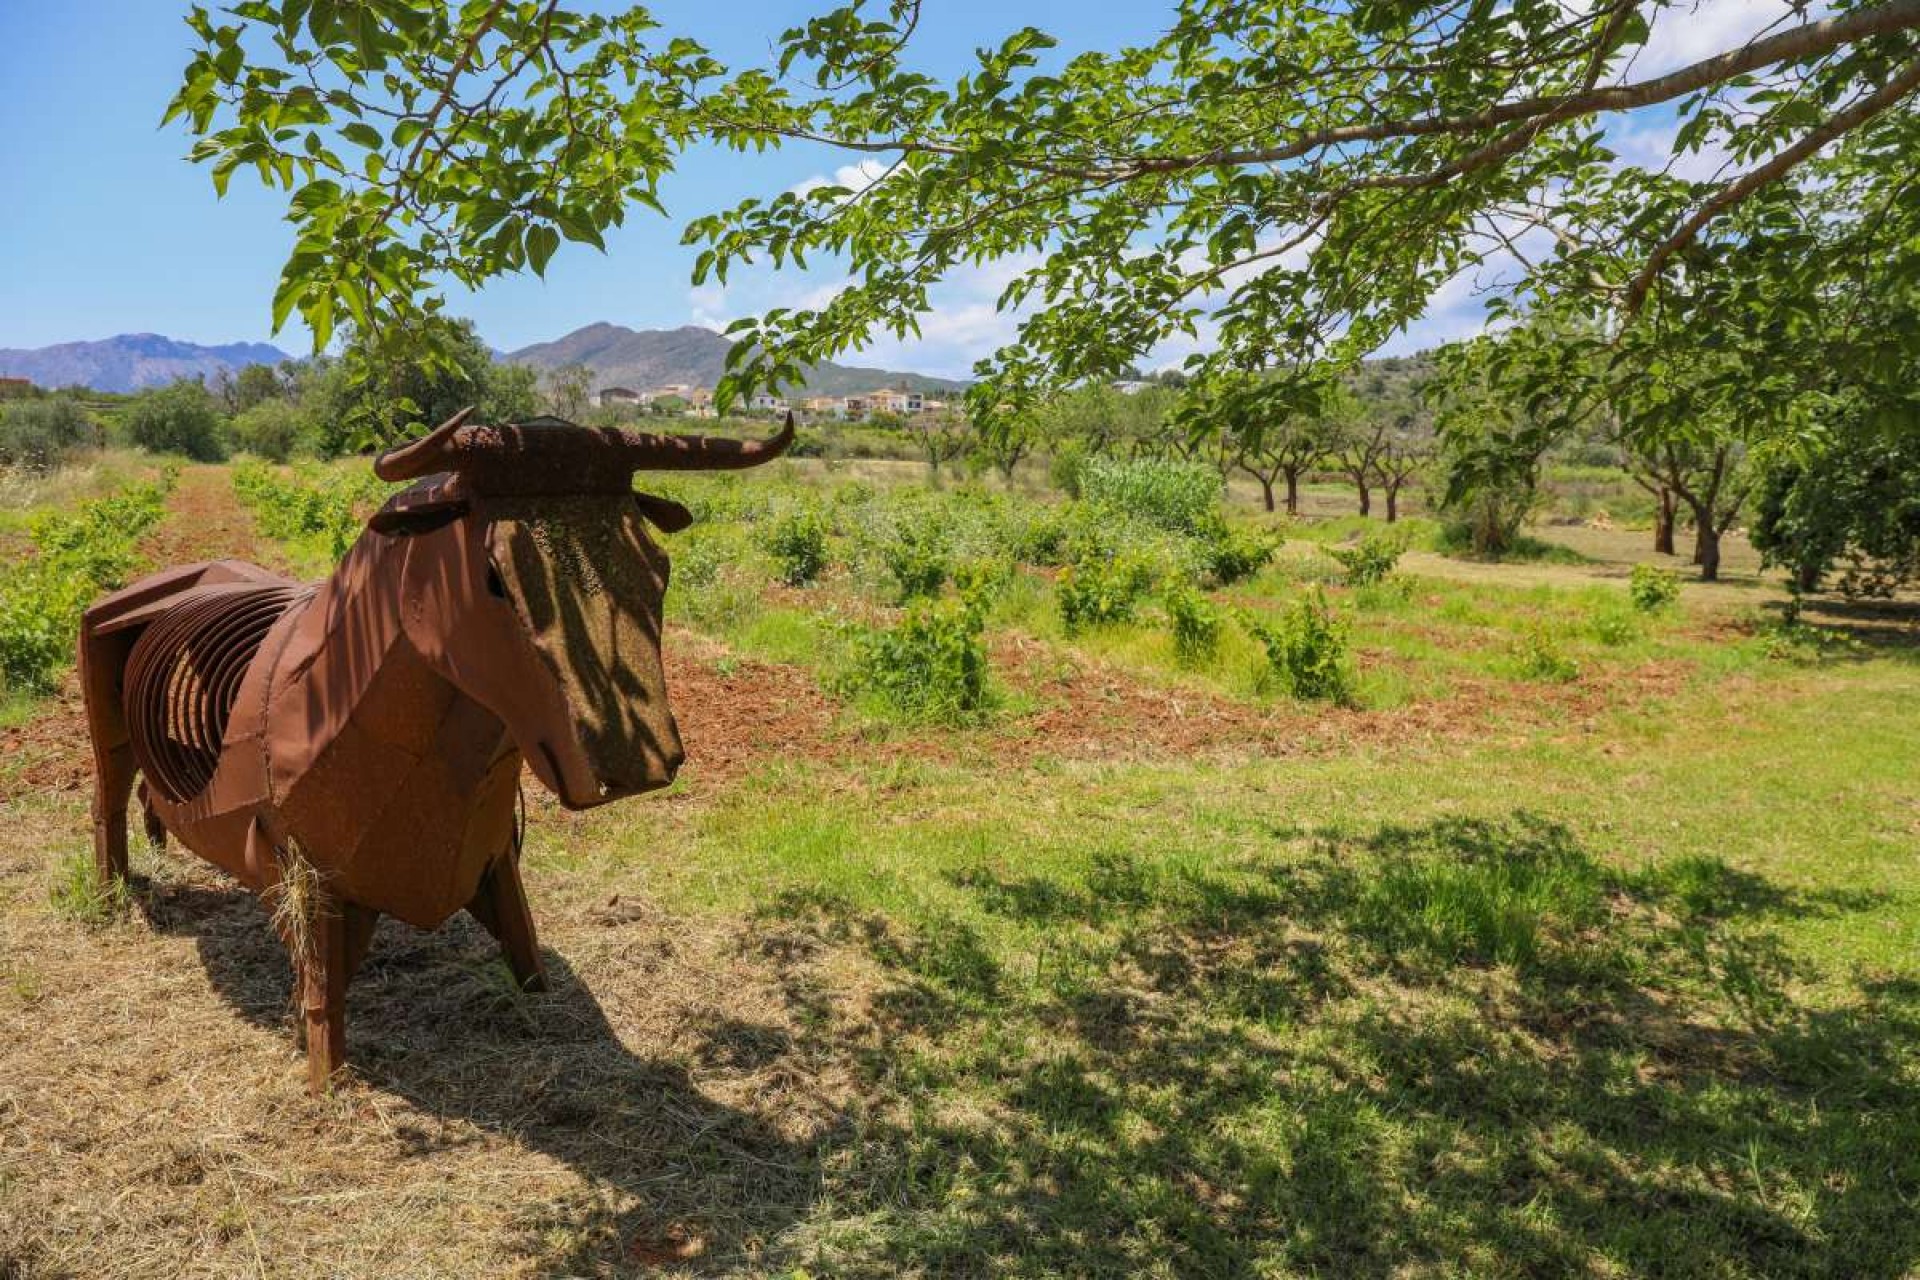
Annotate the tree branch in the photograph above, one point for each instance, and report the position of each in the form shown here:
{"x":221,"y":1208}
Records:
{"x":1734,"y":192}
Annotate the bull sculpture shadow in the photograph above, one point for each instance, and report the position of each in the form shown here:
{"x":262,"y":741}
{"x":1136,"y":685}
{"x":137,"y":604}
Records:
{"x":352,"y":749}
{"x":668,"y":1167}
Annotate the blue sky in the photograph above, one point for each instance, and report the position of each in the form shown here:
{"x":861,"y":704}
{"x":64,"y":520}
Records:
{"x":107,"y":229}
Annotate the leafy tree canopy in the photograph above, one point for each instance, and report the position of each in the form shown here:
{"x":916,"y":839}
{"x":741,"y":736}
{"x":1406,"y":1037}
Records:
{"x":1290,"y":183}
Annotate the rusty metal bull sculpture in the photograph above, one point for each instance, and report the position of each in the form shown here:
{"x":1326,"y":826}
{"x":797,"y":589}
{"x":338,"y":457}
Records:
{"x":352,"y":749}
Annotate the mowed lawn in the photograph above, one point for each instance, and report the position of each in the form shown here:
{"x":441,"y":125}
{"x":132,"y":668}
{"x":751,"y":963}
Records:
{"x":1504,"y":971}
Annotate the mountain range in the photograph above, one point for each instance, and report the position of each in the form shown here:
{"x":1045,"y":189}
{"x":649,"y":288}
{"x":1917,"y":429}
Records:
{"x":129,"y":361}
{"x":618,"y":356}
{"x":643,"y":358}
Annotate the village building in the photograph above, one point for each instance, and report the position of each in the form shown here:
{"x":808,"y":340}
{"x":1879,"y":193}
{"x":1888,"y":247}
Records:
{"x":890,"y":401}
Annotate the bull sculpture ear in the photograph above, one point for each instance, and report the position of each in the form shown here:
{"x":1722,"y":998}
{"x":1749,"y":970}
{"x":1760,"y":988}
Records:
{"x":664,"y":514}
{"x":421,"y":517}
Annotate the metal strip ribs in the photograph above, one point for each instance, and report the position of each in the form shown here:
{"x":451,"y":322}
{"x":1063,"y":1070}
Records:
{"x":184,"y":674}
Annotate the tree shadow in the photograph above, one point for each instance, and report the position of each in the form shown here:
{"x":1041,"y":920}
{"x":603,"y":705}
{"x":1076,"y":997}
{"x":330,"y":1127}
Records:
{"x":676,"y":1179}
{"x":1835,"y":629}
{"x":1453,"y":1045}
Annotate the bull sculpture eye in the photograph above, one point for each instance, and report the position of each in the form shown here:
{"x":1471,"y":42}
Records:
{"x":495,"y":586}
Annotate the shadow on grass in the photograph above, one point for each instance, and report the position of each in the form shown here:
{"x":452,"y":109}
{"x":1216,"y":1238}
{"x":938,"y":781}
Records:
{"x":1462,"y":1047}
{"x":1832,"y":627}
{"x":674,"y":1178}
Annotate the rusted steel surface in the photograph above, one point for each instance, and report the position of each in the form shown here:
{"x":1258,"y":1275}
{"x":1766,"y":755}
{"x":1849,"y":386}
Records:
{"x":183,"y":676}
{"x":353,"y":748}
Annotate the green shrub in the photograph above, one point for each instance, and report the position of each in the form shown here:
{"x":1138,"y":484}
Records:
{"x":274,"y":429}
{"x":1614,"y":625}
{"x":79,"y":556}
{"x":1230,"y":556}
{"x":696,"y":561}
{"x":39,"y":435}
{"x":918,"y":561}
{"x":1099,"y":590}
{"x":931,"y":667}
{"x":1172,"y":494}
{"x":1041,"y":538}
{"x":1370,"y":561}
{"x":1065,"y":466}
{"x":1652,"y":588}
{"x":1195,"y":622}
{"x":798,"y":542}
{"x":1307,"y":650}
{"x":1541,"y":657}
{"x":179,"y":419}
{"x":329,"y":507}
{"x":983,"y":580}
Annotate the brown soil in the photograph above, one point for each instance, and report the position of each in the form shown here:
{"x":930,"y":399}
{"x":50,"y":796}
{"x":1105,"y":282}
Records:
{"x":735,"y":713}
{"x":205,"y":522}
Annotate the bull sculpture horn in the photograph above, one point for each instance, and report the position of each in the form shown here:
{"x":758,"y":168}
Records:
{"x":454,"y":447}
{"x":430,"y":453}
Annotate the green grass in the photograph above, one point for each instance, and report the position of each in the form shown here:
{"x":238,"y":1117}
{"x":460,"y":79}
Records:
{"x":78,"y":894}
{"x":1640,"y":1001}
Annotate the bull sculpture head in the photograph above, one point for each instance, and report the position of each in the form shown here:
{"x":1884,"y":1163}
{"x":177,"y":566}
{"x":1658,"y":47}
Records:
{"x":533,"y":585}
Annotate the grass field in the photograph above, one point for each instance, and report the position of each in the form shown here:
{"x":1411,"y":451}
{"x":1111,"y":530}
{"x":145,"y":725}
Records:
{"x":1575,"y":940}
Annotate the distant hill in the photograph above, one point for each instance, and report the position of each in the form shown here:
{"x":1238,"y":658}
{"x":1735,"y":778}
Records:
{"x":643,"y":358}
{"x":130,"y":361}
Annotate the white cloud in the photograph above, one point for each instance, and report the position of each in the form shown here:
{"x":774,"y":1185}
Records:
{"x":707,"y":306}
{"x":1685,"y":34}
{"x":855,"y":177}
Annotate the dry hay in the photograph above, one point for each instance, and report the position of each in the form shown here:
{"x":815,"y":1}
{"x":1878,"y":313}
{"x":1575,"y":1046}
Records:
{"x":669,"y":1103}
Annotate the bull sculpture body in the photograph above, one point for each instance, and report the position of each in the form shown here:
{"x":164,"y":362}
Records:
{"x":353,"y":748}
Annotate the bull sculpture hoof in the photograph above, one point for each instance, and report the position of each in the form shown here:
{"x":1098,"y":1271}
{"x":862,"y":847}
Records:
{"x":352,"y":749}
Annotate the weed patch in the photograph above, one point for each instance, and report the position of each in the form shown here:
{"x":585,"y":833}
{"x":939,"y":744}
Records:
{"x":1307,"y":650}
{"x":78,"y":557}
{"x":1101,"y":590}
{"x":931,"y":667}
{"x":1652,"y":588}
{"x":78,"y":894}
{"x":321,"y":508}
{"x":798,"y":544}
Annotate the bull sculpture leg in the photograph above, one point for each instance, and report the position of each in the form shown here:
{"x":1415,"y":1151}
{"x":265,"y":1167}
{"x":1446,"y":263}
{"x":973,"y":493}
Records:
{"x":100,"y":661}
{"x":339,"y":935}
{"x":500,"y":904}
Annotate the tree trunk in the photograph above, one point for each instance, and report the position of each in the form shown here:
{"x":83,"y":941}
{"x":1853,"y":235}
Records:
{"x":1366,"y":497}
{"x":1393,"y":503}
{"x":1293,"y":494}
{"x":1706,"y":548}
{"x":1663,"y":524}
{"x":1266,"y":490}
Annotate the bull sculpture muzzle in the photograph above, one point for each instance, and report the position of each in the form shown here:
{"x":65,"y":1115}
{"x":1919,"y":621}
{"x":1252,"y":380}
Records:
{"x":361,"y":739}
